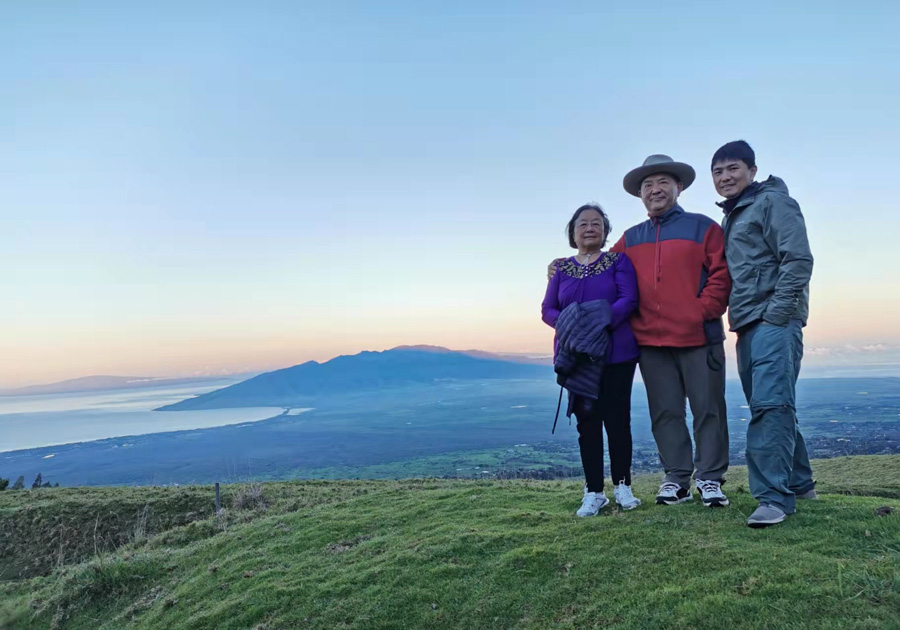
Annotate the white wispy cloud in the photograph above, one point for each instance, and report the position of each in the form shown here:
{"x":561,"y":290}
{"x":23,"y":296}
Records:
{"x":865,"y":352}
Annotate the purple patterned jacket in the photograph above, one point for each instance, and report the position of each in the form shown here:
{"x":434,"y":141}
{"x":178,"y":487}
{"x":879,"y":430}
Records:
{"x":611,"y":278}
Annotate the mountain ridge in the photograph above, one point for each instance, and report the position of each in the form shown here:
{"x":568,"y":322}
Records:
{"x":298,"y":385}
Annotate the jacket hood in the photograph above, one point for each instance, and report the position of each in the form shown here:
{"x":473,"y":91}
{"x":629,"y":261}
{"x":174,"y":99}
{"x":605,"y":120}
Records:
{"x":773,"y":184}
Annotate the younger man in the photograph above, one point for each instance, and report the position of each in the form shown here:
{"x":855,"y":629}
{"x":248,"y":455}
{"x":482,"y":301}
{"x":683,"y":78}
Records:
{"x":770,"y":264}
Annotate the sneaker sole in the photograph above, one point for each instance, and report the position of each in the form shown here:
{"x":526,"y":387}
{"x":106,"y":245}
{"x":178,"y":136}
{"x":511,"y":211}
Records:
{"x":717,"y":503}
{"x":662,"y":501}
{"x":761,"y":524}
{"x":628,"y":507}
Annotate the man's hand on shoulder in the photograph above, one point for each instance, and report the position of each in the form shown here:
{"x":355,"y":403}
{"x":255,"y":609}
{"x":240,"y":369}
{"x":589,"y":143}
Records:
{"x":551,"y":268}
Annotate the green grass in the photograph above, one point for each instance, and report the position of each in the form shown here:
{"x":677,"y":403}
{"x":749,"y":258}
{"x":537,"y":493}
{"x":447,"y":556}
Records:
{"x":50,"y":527}
{"x":867,"y":475}
{"x":490,"y":554}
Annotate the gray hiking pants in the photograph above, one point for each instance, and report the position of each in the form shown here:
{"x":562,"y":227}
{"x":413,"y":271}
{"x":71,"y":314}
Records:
{"x":698,"y":374}
{"x":777,"y":460}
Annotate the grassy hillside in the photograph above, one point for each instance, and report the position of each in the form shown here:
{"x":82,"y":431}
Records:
{"x":471,"y":554}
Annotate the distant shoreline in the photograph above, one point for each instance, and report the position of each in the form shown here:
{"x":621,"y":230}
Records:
{"x":55,"y":420}
{"x":63,"y":445}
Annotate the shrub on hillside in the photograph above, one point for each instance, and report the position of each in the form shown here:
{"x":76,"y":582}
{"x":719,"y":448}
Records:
{"x":249,"y":497}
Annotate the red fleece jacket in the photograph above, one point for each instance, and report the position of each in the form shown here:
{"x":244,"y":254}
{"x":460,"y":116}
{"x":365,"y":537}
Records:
{"x":683,"y":280}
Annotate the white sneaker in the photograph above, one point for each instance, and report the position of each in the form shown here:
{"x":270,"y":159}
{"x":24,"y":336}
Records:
{"x":624,"y":497}
{"x":711,"y":493}
{"x":592,"y":503}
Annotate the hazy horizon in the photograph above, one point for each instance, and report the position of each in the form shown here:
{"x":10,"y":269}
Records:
{"x":814,"y":367}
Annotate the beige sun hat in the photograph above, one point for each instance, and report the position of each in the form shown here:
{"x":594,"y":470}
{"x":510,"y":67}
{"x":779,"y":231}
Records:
{"x":658,"y":163}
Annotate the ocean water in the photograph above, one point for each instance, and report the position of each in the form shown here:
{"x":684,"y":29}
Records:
{"x":51,"y":419}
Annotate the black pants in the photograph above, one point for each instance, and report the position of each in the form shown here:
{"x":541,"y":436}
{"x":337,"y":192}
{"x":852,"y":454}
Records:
{"x":612,"y":410}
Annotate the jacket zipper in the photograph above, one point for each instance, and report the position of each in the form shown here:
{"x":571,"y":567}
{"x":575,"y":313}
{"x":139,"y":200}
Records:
{"x":657,"y":272}
{"x":729,"y":220}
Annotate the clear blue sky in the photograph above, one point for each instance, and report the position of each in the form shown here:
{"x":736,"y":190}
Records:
{"x":227,"y":187}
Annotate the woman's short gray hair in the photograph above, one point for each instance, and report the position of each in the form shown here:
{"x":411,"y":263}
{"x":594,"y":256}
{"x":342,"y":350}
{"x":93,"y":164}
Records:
{"x":570,"y":228}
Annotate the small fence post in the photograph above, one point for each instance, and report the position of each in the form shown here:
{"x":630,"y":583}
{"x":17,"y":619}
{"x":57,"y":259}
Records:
{"x":218,"y":502}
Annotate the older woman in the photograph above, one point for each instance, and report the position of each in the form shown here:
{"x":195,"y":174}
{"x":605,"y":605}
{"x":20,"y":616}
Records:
{"x":597,"y":275}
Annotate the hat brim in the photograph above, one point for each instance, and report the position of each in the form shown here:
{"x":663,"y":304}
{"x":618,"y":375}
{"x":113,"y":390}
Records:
{"x":632,"y":182}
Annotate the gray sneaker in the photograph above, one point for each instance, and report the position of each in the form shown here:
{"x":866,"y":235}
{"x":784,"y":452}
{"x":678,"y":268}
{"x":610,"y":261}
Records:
{"x":766,"y":515}
{"x":809,"y":495}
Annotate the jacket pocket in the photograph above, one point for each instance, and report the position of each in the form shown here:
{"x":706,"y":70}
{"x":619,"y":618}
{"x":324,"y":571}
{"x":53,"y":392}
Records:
{"x":766,"y":277}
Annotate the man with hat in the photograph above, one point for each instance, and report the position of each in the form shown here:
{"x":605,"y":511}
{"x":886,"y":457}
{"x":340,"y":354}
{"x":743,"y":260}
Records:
{"x":771,"y":262}
{"x":683,"y":285}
